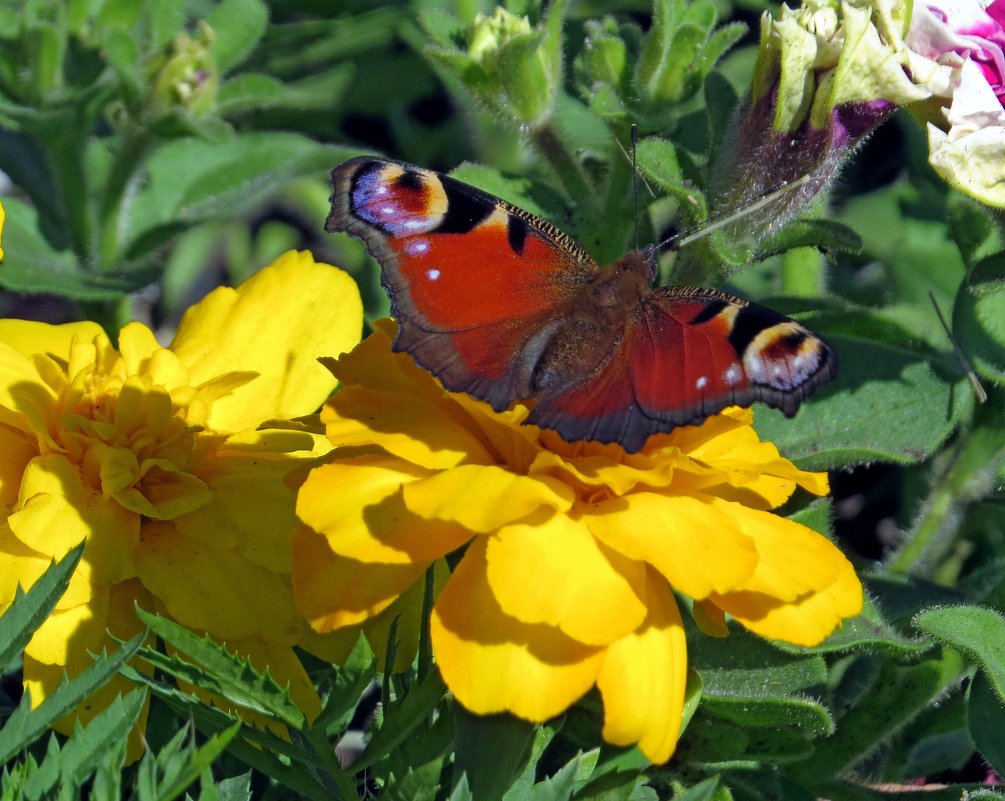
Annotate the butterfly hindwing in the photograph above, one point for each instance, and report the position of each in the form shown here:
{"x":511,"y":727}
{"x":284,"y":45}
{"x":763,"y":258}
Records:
{"x":685,"y":354}
{"x":471,"y":278}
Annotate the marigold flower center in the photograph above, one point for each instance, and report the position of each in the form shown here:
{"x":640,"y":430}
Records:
{"x":132,"y":436}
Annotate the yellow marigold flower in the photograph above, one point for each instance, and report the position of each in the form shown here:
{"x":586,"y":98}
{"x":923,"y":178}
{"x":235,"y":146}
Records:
{"x":573,"y":550}
{"x":165,"y":461}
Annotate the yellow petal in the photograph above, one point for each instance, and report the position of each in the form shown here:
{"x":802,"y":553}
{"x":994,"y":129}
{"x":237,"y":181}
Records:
{"x":805,"y":621}
{"x":493,"y":662}
{"x":483,"y":498}
{"x":24,"y":396}
{"x":332,"y":591}
{"x":69,"y":637}
{"x":143,"y":355}
{"x":251,"y":509}
{"x":276,"y":324}
{"x":387,"y":400}
{"x":19,"y":564}
{"x":58,"y":510}
{"x":357,"y":505}
{"x":643,"y":676}
{"x":792,"y":559}
{"x":710,"y":618}
{"x":215,"y":590}
{"x":696,"y":544}
{"x":16,"y":451}
{"x":557,"y":573}
{"x":28,"y":337}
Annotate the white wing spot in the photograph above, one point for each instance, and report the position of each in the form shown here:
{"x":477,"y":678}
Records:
{"x":701,"y":383}
{"x":387,"y":210}
{"x":416,"y":247}
{"x":432,"y":274}
{"x":733,"y":375}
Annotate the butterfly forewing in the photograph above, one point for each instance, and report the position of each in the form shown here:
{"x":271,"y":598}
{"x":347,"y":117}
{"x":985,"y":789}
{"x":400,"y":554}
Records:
{"x":471,"y":278}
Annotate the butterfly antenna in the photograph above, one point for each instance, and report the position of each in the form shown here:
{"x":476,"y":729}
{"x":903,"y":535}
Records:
{"x":687,"y":237}
{"x":975,"y":382}
{"x":635,"y":180}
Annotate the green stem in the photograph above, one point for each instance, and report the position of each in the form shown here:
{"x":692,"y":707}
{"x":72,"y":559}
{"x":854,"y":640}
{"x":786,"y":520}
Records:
{"x":135,"y":144}
{"x":548,"y":141}
{"x":613,"y":227}
{"x":425,"y":665}
{"x":802,"y":273}
{"x":63,"y":145}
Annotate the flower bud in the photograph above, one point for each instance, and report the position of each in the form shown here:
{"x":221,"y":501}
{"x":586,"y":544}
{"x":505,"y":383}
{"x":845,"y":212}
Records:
{"x":185,"y":76}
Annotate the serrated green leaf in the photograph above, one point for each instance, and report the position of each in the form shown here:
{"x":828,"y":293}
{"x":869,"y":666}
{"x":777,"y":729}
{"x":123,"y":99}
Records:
{"x":238,"y":26}
{"x":350,"y":680}
{"x":401,"y":718}
{"x":461,"y":791}
{"x":702,"y":791}
{"x":222,"y":673}
{"x":87,"y":747}
{"x":978,"y":323}
{"x":283,"y":761}
{"x":236,"y":788}
{"x":417,"y":784}
{"x":25,"y":725}
{"x":977,"y":632}
{"x":183,"y":768}
{"x":29,"y":610}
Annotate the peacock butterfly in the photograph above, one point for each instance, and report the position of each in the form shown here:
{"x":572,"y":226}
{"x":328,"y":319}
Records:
{"x":501,"y":304}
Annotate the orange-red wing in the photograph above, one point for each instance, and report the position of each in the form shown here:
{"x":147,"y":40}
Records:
{"x":474,"y":282}
{"x":686,"y":354}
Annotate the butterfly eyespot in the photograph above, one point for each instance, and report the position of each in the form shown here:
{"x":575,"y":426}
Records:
{"x":503,"y":305}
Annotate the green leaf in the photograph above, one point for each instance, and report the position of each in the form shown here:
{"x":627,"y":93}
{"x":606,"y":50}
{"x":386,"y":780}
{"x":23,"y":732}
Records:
{"x":236,"y":788}
{"x":897,"y":694}
{"x":86,"y":749}
{"x":979,"y":633}
{"x":749,"y":682}
{"x":461,"y":791}
{"x":507,"y":739}
{"x":26,"y":725}
{"x":401,"y":718}
{"x":281,"y":760}
{"x":417,"y":784}
{"x":190,"y":180}
{"x":350,"y":680}
{"x":986,"y":721}
{"x":169,"y":774}
{"x":907,"y":402}
{"x":239,"y":25}
{"x":829,"y":236}
{"x":29,"y":609}
{"x":166,"y":19}
{"x":31,"y":264}
{"x":978,"y":316}
{"x":225,"y":674}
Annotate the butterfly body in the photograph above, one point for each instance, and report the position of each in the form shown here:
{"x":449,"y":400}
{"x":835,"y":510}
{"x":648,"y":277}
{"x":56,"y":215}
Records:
{"x":504,"y":306}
